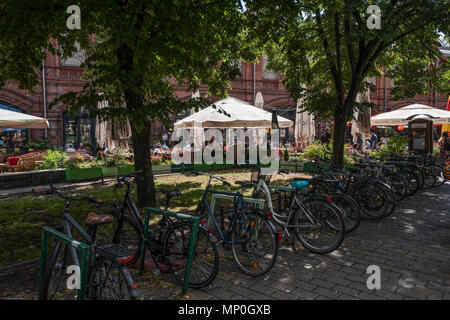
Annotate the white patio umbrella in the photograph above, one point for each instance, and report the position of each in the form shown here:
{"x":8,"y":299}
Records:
{"x":403,"y":115}
{"x":242,"y":114}
{"x":259,"y":101}
{"x":304,"y":126}
{"x":11,"y":119}
{"x":195,"y":95}
{"x":362,"y":122}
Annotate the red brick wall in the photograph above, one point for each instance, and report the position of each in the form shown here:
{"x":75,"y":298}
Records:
{"x":60,"y":80}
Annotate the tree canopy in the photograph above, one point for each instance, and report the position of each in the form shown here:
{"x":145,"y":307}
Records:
{"x":327,"y":52}
{"x":137,"y":53}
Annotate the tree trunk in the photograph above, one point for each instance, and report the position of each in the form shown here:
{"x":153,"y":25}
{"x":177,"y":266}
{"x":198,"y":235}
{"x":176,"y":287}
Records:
{"x":142,"y":161}
{"x":340,"y":125}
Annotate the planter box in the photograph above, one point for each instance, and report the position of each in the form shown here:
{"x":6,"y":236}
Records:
{"x":161,"y":168}
{"x":121,"y":171}
{"x":109,"y":171}
{"x":83,"y":173}
{"x":293,"y":166}
{"x":203,"y":167}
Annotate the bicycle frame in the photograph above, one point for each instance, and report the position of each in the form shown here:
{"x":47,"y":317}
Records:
{"x":238,"y":201}
{"x":283,"y":219}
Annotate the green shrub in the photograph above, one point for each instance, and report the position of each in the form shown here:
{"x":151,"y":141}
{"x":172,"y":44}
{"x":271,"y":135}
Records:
{"x":319,"y":150}
{"x":54,"y":160}
{"x":116,"y":159}
{"x":39,"y":144}
{"x":78,"y":164}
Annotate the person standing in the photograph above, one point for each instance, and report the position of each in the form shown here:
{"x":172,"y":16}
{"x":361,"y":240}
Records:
{"x":359,"y":141}
{"x":444,"y":144}
{"x":373,"y":140}
{"x":326,"y":136}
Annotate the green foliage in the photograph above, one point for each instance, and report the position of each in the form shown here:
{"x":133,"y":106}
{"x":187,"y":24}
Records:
{"x":286,"y":155}
{"x":328,"y":54}
{"x":397,"y":144}
{"x":318,"y":150}
{"x":54,"y":160}
{"x":116,"y":159}
{"x":79,"y":164}
{"x":39,"y":144}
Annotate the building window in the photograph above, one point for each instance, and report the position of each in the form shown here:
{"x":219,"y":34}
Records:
{"x":268,"y":74}
{"x":79,"y":129}
{"x":76,"y":59}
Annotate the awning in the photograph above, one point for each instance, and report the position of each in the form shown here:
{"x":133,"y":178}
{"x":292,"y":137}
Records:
{"x":11,"y":119}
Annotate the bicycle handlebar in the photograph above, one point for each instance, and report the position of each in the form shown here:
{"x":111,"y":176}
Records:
{"x":52,"y":190}
{"x":198,"y":173}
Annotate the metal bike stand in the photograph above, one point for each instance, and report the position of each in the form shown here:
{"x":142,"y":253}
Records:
{"x":83,"y":248}
{"x":192,"y":241}
{"x":259,"y":203}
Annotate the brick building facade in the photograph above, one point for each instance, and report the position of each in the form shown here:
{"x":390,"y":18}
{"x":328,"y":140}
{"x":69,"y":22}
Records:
{"x":65,"y":76}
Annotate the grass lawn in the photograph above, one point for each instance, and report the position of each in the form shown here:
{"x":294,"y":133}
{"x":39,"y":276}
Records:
{"x":22,"y":218}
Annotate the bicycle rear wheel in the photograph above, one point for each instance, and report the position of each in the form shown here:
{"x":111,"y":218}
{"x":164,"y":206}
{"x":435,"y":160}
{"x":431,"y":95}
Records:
{"x":372,"y":199}
{"x":205,"y":263}
{"x":126,"y":234}
{"x":107,"y":282}
{"x":318,"y":225}
{"x":254,"y":244}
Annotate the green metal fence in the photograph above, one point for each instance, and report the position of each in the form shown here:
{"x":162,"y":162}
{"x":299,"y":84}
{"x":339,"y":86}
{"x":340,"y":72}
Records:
{"x":192,"y":241}
{"x":84,"y":253}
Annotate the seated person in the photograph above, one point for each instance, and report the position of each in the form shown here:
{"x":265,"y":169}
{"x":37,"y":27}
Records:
{"x":81,"y":148}
{"x":158,"y":151}
{"x":165,"y":147}
{"x":70,"y":148}
{"x":355,"y":152}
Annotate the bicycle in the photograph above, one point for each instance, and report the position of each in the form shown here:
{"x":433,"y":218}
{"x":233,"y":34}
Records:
{"x":309,"y":218}
{"x":250,"y":234}
{"x":108,"y":276}
{"x":168,"y":245}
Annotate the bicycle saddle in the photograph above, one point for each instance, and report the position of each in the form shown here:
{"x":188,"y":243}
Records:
{"x":94,"y":219}
{"x":299,"y":184}
{"x":171,"y":193}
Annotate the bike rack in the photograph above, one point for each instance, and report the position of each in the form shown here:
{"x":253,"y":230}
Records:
{"x":192,"y":241}
{"x":83,"y":248}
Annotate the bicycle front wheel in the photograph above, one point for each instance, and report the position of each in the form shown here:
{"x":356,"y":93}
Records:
{"x":350,"y":208}
{"x":318,"y":225}
{"x":55,"y":277}
{"x":205,"y":262}
{"x":254,"y":244}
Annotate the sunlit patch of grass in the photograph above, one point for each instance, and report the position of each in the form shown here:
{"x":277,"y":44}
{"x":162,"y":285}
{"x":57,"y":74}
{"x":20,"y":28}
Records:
{"x":22,"y":219}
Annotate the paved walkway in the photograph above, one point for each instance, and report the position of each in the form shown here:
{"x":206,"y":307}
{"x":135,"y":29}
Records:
{"x":411,"y":247}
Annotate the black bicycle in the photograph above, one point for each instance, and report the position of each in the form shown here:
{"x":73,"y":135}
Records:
{"x":108,"y":276}
{"x":168,"y":243}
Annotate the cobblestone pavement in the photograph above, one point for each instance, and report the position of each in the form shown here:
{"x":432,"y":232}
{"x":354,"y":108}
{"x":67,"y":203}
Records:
{"x":411,"y":247}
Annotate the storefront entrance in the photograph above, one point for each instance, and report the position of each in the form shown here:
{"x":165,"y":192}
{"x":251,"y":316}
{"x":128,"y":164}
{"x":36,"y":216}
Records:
{"x":79,"y":129}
